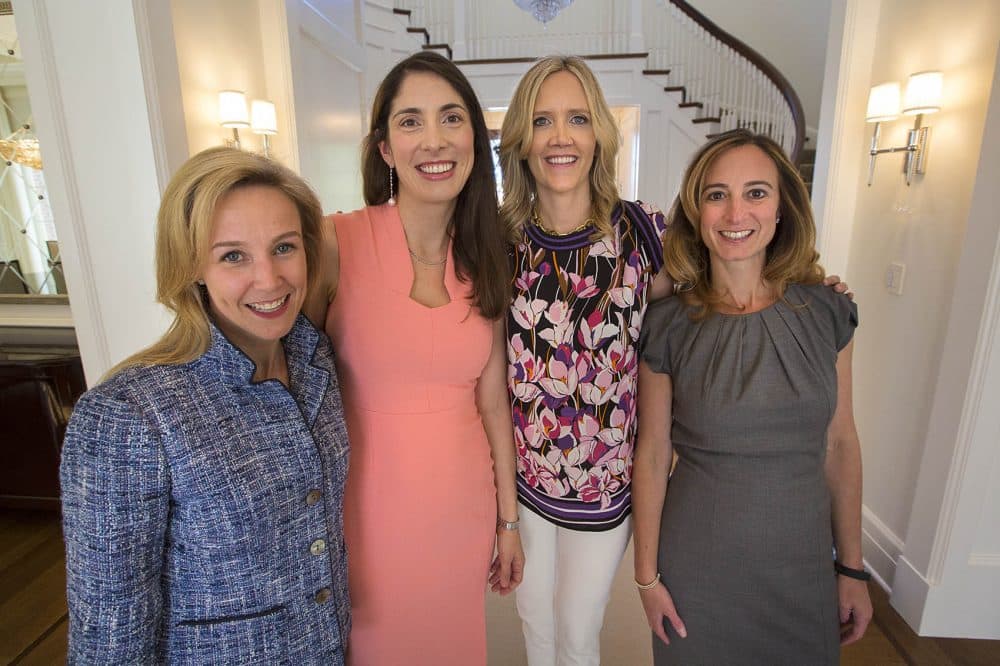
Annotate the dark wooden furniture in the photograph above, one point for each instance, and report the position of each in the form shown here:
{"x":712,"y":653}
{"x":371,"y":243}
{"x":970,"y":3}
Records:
{"x":38,"y":387}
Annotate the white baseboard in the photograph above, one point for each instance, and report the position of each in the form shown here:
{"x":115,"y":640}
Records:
{"x":909,"y":593}
{"x":881,"y":548}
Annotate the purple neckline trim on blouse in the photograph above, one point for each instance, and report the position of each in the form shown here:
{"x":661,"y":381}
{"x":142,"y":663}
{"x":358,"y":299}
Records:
{"x":570,"y":241}
{"x":647,"y":229}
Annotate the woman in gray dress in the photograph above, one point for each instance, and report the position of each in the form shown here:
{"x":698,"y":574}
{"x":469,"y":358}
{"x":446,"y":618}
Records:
{"x":747,"y":378}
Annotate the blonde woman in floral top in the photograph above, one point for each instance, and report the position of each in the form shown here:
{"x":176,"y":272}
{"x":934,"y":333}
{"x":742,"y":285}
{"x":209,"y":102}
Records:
{"x":585,"y":265}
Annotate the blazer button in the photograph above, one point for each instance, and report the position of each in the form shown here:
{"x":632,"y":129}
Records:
{"x":313,"y":497}
{"x":318,"y":547}
{"x":323,"y":595}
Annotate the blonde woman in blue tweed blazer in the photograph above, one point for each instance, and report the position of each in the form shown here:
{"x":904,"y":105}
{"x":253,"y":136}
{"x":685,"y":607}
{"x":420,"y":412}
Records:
{"x":203,"y":479}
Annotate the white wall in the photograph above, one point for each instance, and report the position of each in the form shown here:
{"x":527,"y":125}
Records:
{"x":790,"y":33}
{"x":952,"y":553}
{"x":327,"y":61}
{"x":220,"y":47}
{"x":911,"y":370}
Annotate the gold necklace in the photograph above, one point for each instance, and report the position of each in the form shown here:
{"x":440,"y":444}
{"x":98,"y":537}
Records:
{"x":426,"y":262}
{"x":537,"y":220}
{"x":418,"y":258}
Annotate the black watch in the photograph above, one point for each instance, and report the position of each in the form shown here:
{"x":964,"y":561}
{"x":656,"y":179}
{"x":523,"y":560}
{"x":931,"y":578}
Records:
{"x":856,"y":574}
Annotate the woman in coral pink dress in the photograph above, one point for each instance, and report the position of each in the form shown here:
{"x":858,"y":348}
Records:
{"x":413,"y":296}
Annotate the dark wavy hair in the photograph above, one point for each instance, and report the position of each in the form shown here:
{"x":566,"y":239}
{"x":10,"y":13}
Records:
{"x":478,"y":240}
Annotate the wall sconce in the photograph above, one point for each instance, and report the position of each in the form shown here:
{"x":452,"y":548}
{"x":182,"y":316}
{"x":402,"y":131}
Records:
{"x":233,"y":112}
{"x":263,"y":121}
{"x":923,"y":95}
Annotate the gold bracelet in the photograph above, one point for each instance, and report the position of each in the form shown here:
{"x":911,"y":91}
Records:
{"x":648,"y":586}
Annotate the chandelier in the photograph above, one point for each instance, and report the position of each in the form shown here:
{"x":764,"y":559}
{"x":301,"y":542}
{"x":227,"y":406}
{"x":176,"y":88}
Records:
{"x":21,"y":147}
{"x":543,"y":10}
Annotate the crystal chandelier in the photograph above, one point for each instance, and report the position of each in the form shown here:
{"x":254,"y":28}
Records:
{"x":543,"y":10}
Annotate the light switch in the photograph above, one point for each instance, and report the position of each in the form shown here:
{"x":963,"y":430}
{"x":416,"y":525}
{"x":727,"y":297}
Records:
{"x":894,"y":278}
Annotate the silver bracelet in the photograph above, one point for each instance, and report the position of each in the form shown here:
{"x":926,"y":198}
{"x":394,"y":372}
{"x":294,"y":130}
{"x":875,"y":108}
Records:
{"x":648,"y":586}
{"x":507,"y":524}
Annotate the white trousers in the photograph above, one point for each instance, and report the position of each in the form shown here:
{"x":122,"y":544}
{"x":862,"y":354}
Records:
{"x":566,"y":586}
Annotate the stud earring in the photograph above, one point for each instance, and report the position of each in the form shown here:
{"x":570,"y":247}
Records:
{"x":201,"y":283}
{"x":777,"y":220}
{"x":392,"y":189}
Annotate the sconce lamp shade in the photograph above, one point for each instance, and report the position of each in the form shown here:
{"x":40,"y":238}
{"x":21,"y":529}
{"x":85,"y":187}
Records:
{"x":262,"y":117}
{"x":883,"y":103}
{"x":923,"y":93}
{"x":233,"y":109}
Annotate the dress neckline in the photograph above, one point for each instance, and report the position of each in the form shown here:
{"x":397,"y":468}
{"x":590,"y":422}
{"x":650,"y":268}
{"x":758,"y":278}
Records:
{"x":394,"y":256}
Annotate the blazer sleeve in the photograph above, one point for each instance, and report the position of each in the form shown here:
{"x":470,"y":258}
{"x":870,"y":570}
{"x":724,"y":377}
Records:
{"x":115,"y":503}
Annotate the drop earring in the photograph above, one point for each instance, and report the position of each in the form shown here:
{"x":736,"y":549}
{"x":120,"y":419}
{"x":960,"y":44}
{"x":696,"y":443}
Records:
{"x":392,"y":189}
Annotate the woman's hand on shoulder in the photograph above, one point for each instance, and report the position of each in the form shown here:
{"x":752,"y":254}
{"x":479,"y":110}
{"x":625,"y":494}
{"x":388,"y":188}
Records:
{"x":661,"y":286}
{"x":838,"y":286}
{"x":855,"y":608}
{"x":658,"y":604}
{"x":507,"y":569}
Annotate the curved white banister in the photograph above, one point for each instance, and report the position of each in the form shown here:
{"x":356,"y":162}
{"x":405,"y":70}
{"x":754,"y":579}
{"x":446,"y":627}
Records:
{"x":734,"y":85}
{"x":732,"y":81}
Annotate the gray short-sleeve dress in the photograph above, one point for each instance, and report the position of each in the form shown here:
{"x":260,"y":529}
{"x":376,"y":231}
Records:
{"x":745,"y":539}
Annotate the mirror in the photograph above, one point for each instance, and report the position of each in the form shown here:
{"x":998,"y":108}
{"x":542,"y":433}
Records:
{"x":30,"y":265}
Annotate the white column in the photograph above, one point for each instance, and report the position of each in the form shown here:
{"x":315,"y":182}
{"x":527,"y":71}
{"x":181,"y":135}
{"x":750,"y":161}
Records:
{"x":106,"y":101}
{"x":842,"y":127}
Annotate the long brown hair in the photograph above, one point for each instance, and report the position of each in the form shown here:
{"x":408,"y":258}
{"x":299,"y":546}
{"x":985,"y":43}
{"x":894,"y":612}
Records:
{"x":791,"y":255}
{"x":515,"y":142}
{"x":478,"y":242}
{"x":183,"y":231}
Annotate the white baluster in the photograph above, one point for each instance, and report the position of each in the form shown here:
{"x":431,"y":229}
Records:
{"x":458,"y":43}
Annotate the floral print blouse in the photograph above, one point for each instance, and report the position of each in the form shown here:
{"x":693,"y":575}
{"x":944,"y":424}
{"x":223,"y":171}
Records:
{"x":573,"y":331}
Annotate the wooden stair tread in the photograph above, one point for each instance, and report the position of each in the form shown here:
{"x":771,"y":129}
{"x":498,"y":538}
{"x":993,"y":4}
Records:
{"x":691,"y":105}
{"x":706,"y":120}
{"x":423,"y":31}
{"x":446,"y":47}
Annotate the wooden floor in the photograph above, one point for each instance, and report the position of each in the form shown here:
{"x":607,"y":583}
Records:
{"x":33,"y":609}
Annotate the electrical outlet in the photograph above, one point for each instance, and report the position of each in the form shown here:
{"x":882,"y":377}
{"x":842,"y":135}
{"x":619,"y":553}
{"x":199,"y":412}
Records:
{"x":894,"y":278}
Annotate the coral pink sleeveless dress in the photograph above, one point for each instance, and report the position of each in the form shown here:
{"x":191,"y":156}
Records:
{"x":420,"y":508}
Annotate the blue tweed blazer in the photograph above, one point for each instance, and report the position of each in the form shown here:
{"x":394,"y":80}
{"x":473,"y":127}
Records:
{"x":202,"y":512}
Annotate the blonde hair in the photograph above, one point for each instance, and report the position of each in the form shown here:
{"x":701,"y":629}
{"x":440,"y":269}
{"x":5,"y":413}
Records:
{"x":515,"y":143}
{"x":791,"y":254}
{"x":183,"y":232}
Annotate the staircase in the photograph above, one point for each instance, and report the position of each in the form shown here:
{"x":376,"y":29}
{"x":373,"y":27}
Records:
{"x":807,"y":165}
{"x":701,"y":67}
